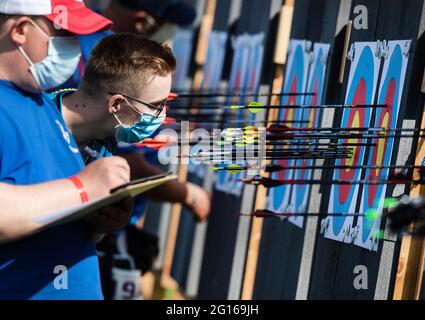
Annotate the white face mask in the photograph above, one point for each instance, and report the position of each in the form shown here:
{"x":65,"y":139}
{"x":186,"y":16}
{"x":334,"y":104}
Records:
{"x":60,"y":63}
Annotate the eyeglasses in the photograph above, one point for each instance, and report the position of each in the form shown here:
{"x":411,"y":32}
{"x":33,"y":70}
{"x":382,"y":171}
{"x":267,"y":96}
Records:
{"x":157,"y":108}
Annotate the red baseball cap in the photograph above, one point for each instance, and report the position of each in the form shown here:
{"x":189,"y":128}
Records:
{"x":71,"y":15}
{"x":81,"y":20}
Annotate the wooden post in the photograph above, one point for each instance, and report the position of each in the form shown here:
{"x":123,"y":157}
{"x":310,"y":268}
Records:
{"x":345,"y":51}
{"x":202,"y":48}
{"x":282,"y":44}
{"x":201,"y":54}
{"x":412,"y":252}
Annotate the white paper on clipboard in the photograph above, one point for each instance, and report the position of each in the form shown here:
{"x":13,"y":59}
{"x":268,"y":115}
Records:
{"x":82,"y":210}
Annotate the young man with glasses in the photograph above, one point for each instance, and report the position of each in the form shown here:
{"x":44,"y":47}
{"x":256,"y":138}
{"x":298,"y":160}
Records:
{"x":122,"y":97}
{"x":131,"y":17}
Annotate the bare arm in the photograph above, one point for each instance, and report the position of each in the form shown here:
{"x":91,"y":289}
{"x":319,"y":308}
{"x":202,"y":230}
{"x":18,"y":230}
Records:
{"x":21,"y":205}
{"x":190,"y":195}
{"x":172,"y":191}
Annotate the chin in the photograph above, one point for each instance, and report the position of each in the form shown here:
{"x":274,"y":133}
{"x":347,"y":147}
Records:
{"x":28,"y":84}
{"x":29,"y":88}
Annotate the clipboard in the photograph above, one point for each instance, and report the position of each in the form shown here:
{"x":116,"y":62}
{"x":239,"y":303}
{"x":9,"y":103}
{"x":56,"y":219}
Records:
{"x":131,"y":189}
{"x":135,"y":183}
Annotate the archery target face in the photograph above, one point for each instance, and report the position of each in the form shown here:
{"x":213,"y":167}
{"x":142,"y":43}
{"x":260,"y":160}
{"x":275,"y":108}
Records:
{"x":278,"y":199}
{"x":244,"y":78}
{"x":390,"y":93}
{"x":213,"y":69}
{"x":360,"y":90}
{"x":213,"y":66}
{"x":182,"y":49}
{"x":316,"y":78}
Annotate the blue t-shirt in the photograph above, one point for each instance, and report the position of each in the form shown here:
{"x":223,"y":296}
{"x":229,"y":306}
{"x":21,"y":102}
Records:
{"x":105,"y":148}
{"x":35,"y":147}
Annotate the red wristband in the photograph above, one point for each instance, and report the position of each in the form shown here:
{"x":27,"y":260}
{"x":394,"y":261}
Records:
{"x":80,"y":187}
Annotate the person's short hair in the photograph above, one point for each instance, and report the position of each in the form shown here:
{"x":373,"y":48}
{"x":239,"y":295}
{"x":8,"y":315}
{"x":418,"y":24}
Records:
{"x":124,"y":62}
{"x":4,"y":18}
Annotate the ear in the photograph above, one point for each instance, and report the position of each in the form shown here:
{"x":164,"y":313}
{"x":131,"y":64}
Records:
{"x":19,"y":30}
{"x":114,"y":103}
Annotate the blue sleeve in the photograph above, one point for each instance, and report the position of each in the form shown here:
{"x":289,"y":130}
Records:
{"x":12,"y":156}
{"x":139,"y":209}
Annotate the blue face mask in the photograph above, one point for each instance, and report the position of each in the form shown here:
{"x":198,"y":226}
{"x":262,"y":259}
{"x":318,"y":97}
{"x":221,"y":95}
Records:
{"x":147,"y":125}
{"x":60,"y":63}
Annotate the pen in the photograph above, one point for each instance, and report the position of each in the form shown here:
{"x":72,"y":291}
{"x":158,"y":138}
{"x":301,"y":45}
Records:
{"x":92,"y":153}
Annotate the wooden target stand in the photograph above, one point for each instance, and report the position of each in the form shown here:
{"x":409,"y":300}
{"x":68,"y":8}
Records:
{"x":280,"y":54}
{"x":167,"y":283}
{"x":412,"y":252}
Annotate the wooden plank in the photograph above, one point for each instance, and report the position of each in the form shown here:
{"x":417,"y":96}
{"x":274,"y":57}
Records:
{"x":190,"y":240}
{"x":191,"y":236}
{"x":334,"y":262}
{"x":205,"y":29}
{"x":284,"y":247}
{"x":333,"y":21}
{"x":409,"y":270}
{"x":223,"y":237}
{"x":345,"y":50}
{"x":196,"y":255}
{"x":244,"y":225}
{"x":412,"y":252}
{"x":383,"y":283}
{"x":202,"y":48}
{"x":411,"y":259}
{"x":332,"y":270}
{"x":282,"y":44}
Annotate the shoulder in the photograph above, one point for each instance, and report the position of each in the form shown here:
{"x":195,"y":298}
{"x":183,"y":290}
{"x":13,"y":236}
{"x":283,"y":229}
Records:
{"x":18,"y":111}
{"x":57,"y":96}
{"x":16,"y":104}
{"x":10,"y":94}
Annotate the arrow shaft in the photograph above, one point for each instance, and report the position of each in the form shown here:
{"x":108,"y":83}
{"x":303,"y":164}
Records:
{"x":307,"y":214}
{"x":319,"y":106}
{"x":282,"y":157}
{"x":276,"y":152}
{"x":340,"y":136}
{"x":351,"y":167}
{"x":276,"y":183}
{"x":219,"y":158}
{"x":289,"y":143}
{"x":223,"y":106}
{"x":230,"y":95}
{"x":345,"y":129}
{"x":327,"y":167}
{"x":254,"y":122}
